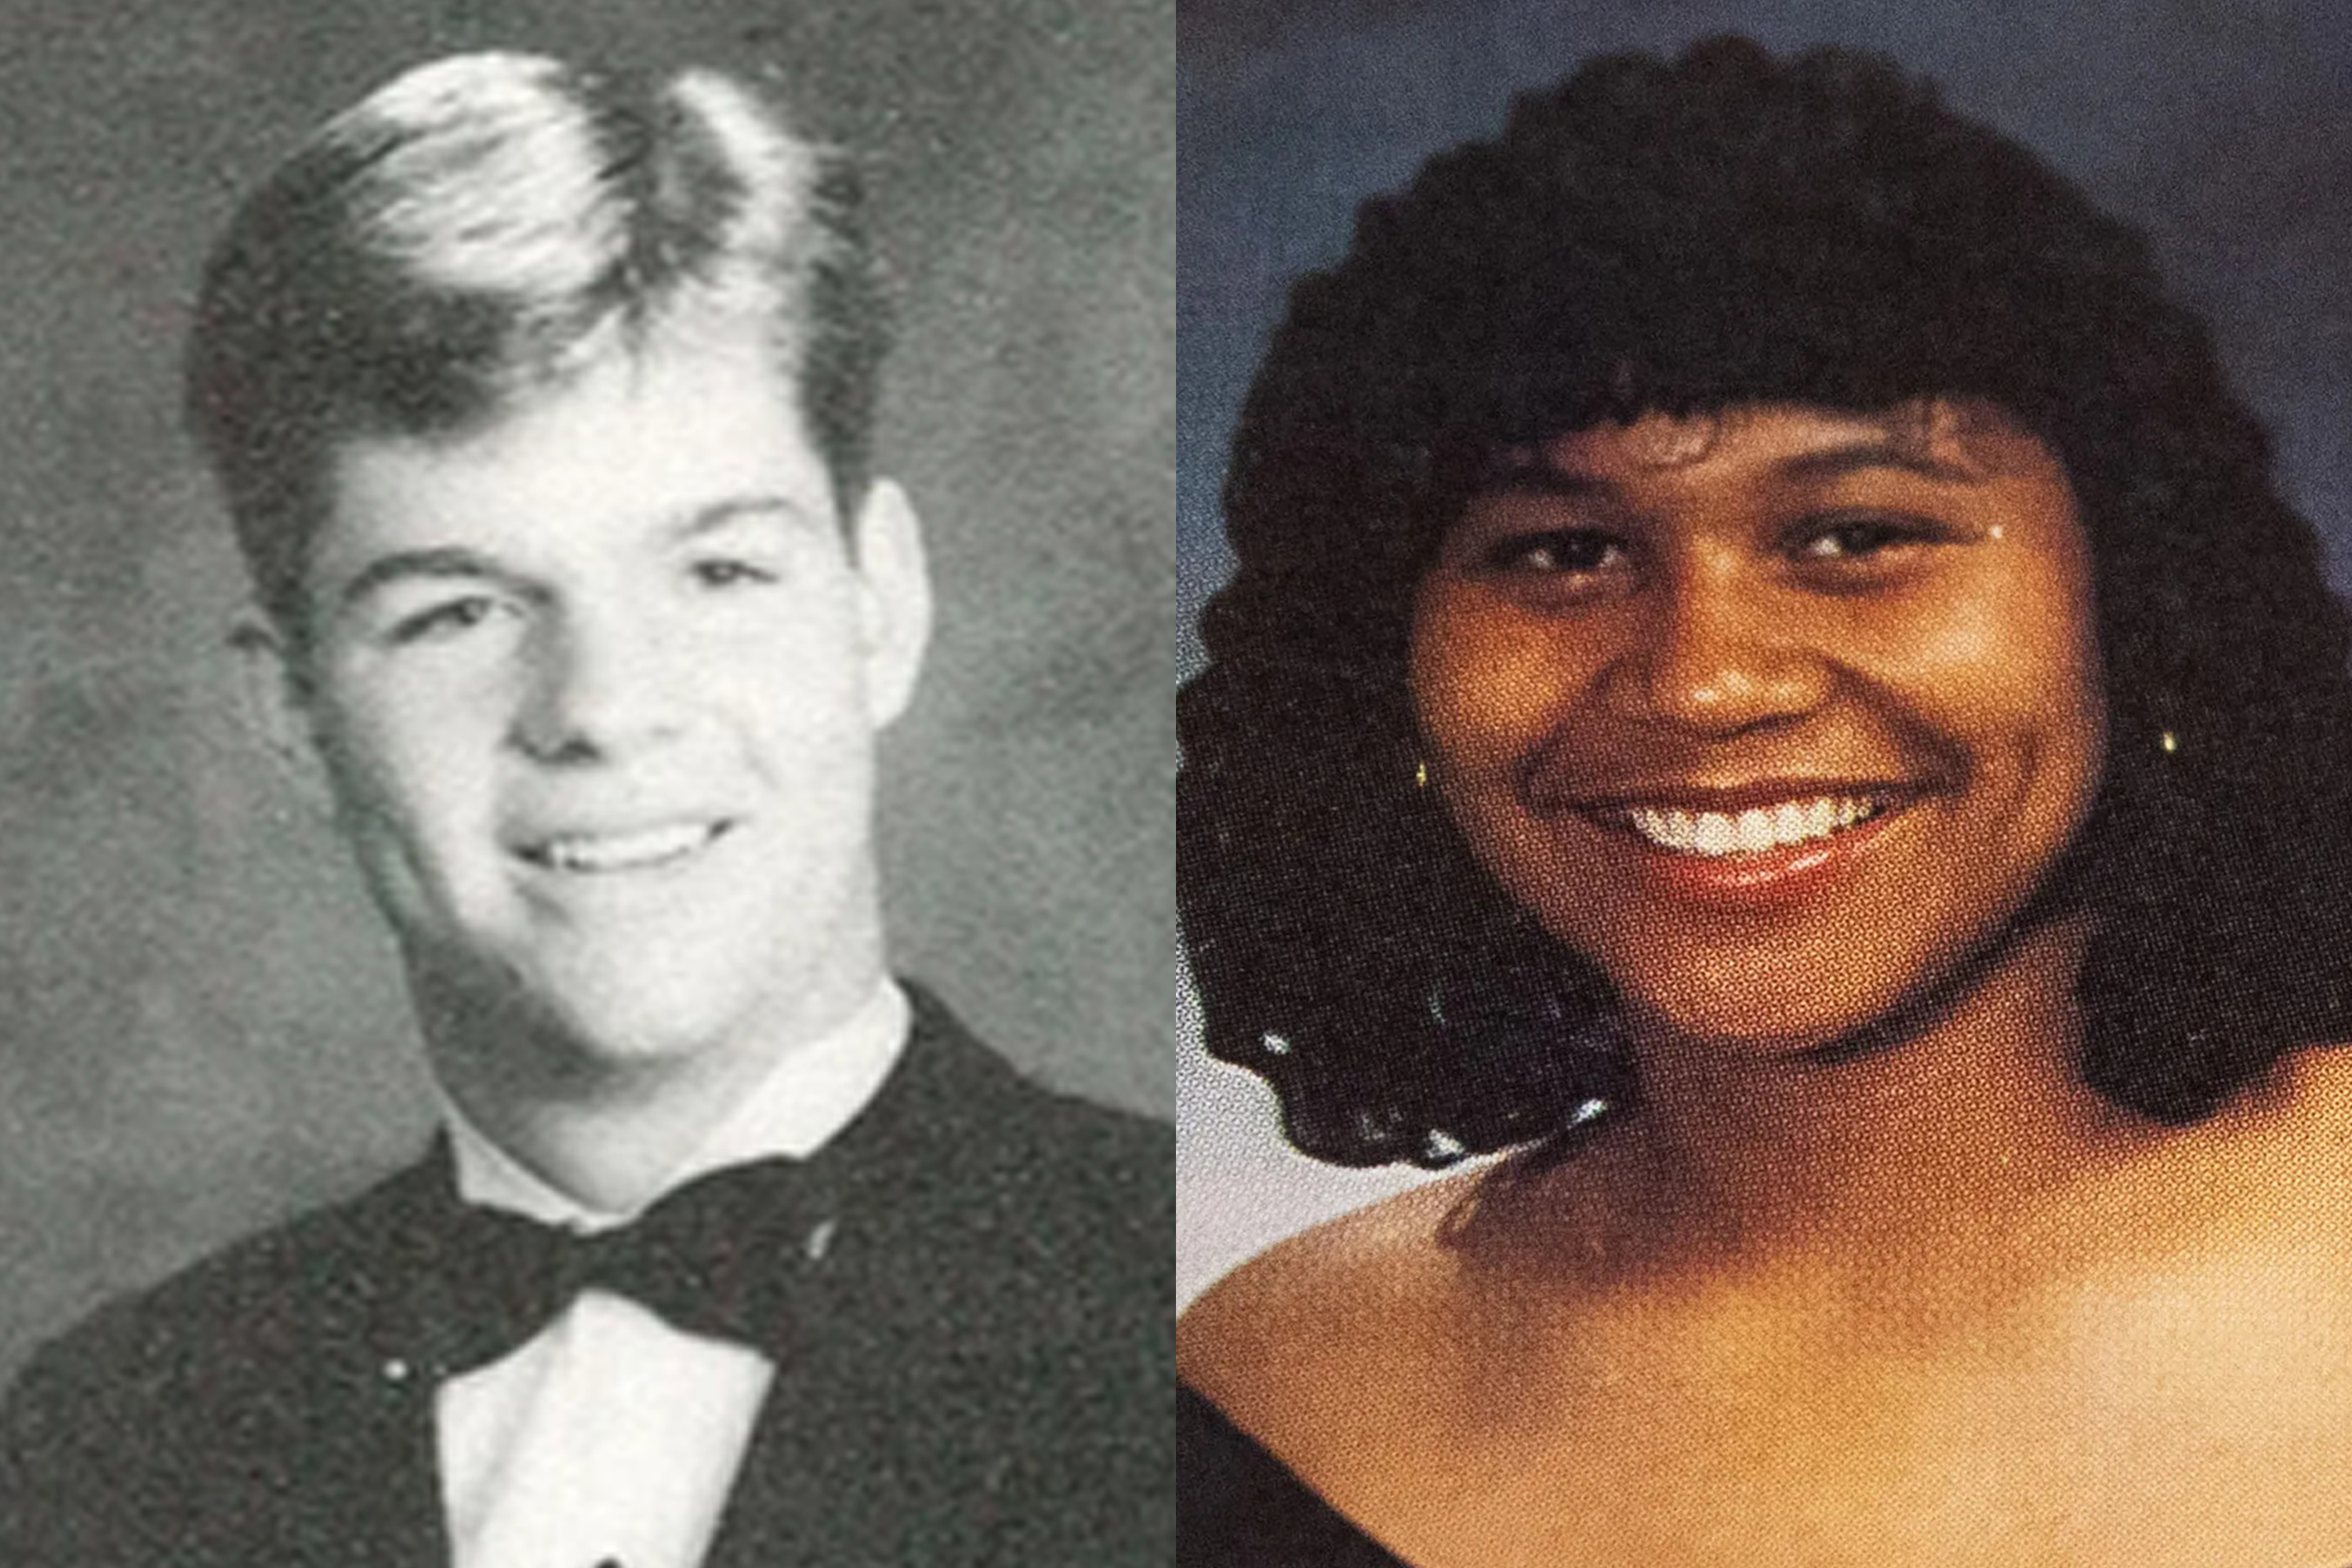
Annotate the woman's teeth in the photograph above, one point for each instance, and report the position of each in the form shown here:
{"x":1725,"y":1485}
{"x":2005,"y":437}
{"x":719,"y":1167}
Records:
{"x":1753,"y":831}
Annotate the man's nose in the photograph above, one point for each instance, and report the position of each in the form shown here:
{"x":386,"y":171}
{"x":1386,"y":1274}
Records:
{"x":1714,"y":652}
{"x":601,"y":680}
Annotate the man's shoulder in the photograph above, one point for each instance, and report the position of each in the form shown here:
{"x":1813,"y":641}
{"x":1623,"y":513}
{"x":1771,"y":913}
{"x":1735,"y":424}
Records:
{"x":971,"y":1092}
{"x":1091,"y":1155}
{"x":170,"y":1410}
{"x":248,"y":1310}
{"x":1059,"y":1170}
{"x":1089,"y":1193}
{"x":1017,"y":1285}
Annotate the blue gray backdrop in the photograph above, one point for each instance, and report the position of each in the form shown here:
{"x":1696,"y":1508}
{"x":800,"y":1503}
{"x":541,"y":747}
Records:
{"x":2223,"y":126}
{"x":200,"y":1025}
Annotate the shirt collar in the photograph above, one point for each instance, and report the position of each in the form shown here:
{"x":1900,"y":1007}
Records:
{"x":805,"y":1099}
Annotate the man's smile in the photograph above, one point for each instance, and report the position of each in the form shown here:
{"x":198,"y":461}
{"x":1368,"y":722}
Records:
{"x":634,"y":849}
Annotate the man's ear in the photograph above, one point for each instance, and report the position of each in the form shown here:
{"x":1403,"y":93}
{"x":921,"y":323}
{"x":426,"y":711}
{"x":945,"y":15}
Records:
{"x":274,"y":692}
{"x":894,"y":597}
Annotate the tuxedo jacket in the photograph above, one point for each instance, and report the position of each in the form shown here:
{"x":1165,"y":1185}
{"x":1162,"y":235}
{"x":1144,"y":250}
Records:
{"x":979,"y":1369}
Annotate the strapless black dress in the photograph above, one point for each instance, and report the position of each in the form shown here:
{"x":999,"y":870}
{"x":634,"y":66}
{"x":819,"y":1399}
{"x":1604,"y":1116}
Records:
{"x":1238,"y":1507}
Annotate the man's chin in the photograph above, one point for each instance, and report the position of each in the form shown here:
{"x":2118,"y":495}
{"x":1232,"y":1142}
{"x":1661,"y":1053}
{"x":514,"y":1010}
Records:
{"x":636,"y":1032}
{"x":580,"y":1023}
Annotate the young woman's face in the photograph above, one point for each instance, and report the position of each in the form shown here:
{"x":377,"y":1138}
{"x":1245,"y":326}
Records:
{"x":1775,"y":715}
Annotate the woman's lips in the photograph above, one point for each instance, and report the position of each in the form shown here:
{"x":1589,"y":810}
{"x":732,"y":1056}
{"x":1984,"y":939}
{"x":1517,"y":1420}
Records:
{"x":1708,"y":860}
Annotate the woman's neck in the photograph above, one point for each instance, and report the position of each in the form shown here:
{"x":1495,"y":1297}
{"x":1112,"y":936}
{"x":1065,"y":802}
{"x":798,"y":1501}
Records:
{"x":1951,"y":1132}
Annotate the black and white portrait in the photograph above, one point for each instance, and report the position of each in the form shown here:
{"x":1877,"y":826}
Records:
{"x":586,"y":708}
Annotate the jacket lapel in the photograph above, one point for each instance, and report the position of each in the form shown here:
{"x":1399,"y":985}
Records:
{"x":860,"y":1456}
{"x":368,"y":1494}
{"x":324,"y":1451}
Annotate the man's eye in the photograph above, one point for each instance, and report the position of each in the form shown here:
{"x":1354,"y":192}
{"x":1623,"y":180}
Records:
{"x":728,"y":571}
{"x":1858,"y":538}
{"x":1555,"y":551}
{"x":451,"y":617}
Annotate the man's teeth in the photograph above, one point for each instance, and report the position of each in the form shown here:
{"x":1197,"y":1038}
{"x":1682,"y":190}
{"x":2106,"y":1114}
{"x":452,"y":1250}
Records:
{"x":625,"y":851}
{"x":1753,"y":831}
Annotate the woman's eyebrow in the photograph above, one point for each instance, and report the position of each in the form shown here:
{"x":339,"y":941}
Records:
{"x":1521,"y":475}
{"x":1873,"y":452}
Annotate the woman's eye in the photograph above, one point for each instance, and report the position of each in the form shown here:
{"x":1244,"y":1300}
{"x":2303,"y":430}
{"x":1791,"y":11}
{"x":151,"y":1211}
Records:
{"x":1858,"y":538}
{"x":450,"y":618}
{"x":1555,"y":551}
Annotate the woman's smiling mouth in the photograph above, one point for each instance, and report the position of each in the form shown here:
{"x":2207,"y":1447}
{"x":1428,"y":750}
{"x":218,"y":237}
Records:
{"x":1752,"y":848}
{"x":1753,"y":831}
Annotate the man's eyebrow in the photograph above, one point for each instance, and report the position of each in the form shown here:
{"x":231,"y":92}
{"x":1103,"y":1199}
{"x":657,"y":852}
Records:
{"x":722,"y":514}
{"x":457,"y":560}
{"x":446,"y":561}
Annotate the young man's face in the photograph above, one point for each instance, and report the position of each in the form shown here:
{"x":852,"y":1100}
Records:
{"x":596,"y":690}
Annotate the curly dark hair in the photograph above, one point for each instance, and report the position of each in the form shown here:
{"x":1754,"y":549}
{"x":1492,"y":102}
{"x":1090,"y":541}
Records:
{"x":1729,"y":227}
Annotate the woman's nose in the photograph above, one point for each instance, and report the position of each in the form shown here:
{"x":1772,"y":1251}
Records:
{"x":1714,"y":652}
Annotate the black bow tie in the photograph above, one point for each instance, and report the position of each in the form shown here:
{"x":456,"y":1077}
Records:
{"x":719,"y":1257}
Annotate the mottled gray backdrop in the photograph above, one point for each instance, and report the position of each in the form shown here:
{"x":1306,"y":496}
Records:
{"x":200,"y":1027}
{"x":2224,"y":126}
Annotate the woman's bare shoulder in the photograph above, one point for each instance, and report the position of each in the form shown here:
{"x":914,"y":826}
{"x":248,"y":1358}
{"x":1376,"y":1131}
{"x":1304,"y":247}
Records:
{"x":1327,"y":1318}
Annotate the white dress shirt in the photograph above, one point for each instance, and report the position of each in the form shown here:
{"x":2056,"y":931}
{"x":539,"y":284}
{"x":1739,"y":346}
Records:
{"x":612,"y":1436}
